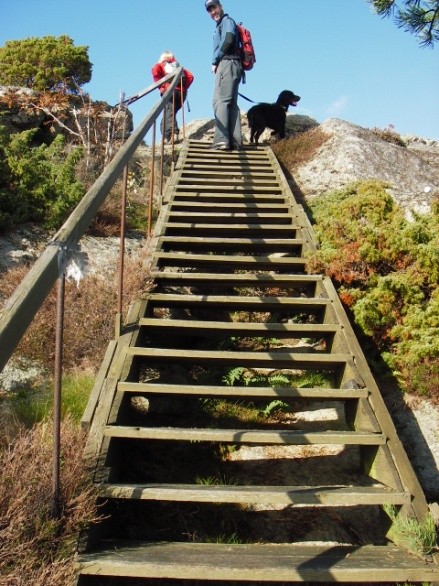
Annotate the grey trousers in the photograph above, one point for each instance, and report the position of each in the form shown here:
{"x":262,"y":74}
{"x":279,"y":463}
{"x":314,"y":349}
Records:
{"x":225,"y":103}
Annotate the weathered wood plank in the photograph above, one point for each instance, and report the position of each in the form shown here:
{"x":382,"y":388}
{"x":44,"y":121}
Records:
{"x":318,"y":393}
{"x":296,"y":562}
{"x":264,"y":230}
{"x":234,"y":260}
{"x":241,"y":280}
{"x":229,"y":207}
{"x":273,"y":359}
{"x":232,"y":188}
{"x":262,"y":495}
{"x":290,"y":242}
{"x":247,"y":436}
{"x":243,"y":328}
{"x":259,"y":303}
{"x":224,"y":217}
{"x":98,"y":385}
{"x":227,"y":197}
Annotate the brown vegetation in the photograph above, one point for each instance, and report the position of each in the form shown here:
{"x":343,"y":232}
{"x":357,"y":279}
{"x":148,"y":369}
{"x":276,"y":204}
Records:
{"x":88,"y":326}
{"x":299,"y":149}
{"x":36,"y":548}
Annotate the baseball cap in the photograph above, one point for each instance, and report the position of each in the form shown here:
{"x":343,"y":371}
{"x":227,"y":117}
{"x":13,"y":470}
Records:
{"x":210,"y":3}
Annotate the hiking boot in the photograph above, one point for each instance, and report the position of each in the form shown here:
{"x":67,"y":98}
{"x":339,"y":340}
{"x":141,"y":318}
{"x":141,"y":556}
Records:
{"x":220,"y":146}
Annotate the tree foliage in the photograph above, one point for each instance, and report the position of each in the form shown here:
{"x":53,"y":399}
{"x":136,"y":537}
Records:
{"x":38,"y":183}
{"x":47,"y":63}
{"x":387,"y":271}
{"x":419,"y":17}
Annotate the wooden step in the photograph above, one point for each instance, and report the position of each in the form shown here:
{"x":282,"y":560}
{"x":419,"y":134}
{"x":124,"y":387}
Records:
{"x":201,"y":175}
{"x":262,"y":495}
{"x":246,"y":436}
{"x":277,"y":330}
{"x":249,"y":392}
{"x":293,"y":263}
{"x":272,"y":359}
{"x":226,"y":197}
{"x":220,"y":280}
{"x":240,"y":218}
{"x":229,"y":207}
{"x":324,"y":563}
{"x":248,"y":181}
{"x":291,"y":305}
{"x":249,"y":245}
{"x":248,"y":230}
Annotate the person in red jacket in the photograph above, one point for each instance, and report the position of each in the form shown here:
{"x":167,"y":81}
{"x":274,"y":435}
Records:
{"x":166,"y":63}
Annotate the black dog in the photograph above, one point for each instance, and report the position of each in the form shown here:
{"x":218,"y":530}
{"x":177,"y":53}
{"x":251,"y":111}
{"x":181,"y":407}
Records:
{"x":272,"y":116}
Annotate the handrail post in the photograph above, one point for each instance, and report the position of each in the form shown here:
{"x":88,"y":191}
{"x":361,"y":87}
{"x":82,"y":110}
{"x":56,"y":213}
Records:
{"x":122,"y":238}
{"x":182,"y":107}
{"x":162,"y":164}
{"x":122,"y":252}
{"x":151,"y":181}
{"x":56,"y":478}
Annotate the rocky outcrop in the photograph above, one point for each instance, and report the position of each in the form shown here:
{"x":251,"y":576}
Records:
{"x":354,"y":153}
{"x":21,"y":109}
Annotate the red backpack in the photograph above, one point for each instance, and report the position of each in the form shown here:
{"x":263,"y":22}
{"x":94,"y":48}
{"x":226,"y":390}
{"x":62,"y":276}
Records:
{"x":246,"y":49}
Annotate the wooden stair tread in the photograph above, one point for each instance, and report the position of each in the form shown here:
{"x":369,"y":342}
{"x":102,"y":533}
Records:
{"x":295,"y":562}
{"x":278,"y":359}
{"x":221,"y":174}
{"x":246,"y":436}
{"x":203,"y":227}
{"x":242,"y":180}
{"x":205,"y":196}
{"x":244,"y":328}
{"x":241,"y":279}
{"x":259,"y":303}
{"x":250,"y":392}
{"x":227,"y":216}
{"x":262,"y":495}
{"x":233,"y":258}
{"x":252,"y":241}
{"x":219,"y":207}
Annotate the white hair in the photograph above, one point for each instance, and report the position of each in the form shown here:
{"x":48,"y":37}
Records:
{"x":166,"y":56}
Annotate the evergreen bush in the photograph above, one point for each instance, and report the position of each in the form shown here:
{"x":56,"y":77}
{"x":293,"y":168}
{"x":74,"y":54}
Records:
{"x":387,"y":269}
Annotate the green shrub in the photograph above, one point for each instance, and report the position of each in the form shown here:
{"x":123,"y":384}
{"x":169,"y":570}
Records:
{"x":387,"y":271}
{"x":40,"y":183}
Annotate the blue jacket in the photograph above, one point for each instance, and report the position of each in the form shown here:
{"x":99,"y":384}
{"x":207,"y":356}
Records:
{"x":225,"y":40}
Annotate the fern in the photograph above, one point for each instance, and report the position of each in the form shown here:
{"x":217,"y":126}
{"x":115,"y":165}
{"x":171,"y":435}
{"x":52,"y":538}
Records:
{"x":234,"y":376}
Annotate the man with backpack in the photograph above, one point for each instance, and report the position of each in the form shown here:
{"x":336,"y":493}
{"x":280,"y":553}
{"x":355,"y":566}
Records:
{"x":226,"y":65}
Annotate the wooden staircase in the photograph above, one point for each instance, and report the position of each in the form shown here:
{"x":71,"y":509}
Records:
{"x":192,"y":490}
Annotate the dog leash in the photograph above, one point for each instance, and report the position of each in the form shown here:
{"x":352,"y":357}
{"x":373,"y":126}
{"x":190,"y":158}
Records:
{"x":245,"y":98}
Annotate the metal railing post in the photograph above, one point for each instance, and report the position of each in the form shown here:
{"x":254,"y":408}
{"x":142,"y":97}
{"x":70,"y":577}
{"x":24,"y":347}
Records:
{"x":182,"y":108}
{"x":151,"y":181}
{"x":121,"y":252}
{"x":56,"y":477}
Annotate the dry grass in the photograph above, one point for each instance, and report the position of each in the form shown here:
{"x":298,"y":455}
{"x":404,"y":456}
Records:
{"x":37,"y":549}
{"x":90,"y":311}
{"x":299,"y":149}
{"x":389,"y":135}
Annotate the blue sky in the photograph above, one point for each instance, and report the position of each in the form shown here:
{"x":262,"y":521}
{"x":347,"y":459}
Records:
{"x":345,"y":61}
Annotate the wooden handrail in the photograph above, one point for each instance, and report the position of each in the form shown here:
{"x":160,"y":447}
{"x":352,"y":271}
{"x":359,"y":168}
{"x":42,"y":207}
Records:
{"x":28,"y":297}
